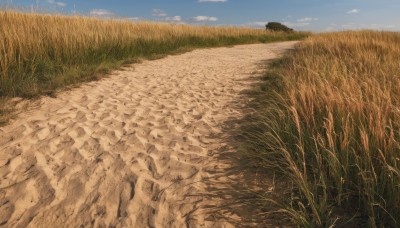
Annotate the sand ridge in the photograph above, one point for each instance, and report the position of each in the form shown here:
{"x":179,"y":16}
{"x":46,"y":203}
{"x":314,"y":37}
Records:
{"x":130,"y":150}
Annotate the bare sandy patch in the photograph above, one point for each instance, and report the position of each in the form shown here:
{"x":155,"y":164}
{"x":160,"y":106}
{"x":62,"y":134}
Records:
{"x":131,"y":150}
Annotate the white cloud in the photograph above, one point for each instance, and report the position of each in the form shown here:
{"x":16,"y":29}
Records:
{"x":356,"y":26}
{"x":212,"y":0}
{"x":174,"y":19}
{"x":60,"y":4}
{"x":385,"y":26}
{"x":204,"y":18}
{"x":353,"y":11}
{"x":299,"y":23}
{"x":307,"y":19}
{"x":163,"y":16}
{"x":101,"y":12}
{"x":158,"y":13}
{"x":296,"y":24}
{"x":134,"y":18}
{"x":258,"y":23}
{"x":348,"y":25}
{"x":381,"y":26}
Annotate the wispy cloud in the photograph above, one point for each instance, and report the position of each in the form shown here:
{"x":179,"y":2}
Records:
{"x":348,"y":25}
{"x":296,"y":24}
{"x":212,"y":0}
{"x":307,"y":19}
{"x":358,"y":26}
{"x":101,"y":12}
{"x":173,"y":19}
{"x":353,"y":11}
{"x":302,"y":22}
{"x":299,"y":23}
{"x":163,"y":16}
{"x":158,"y":13}
{"x":383,"y":26}
{"x":135,"y":19}
{"x":204,"y":18}
{"x":257,"y":23}
{"x":60,"y":4}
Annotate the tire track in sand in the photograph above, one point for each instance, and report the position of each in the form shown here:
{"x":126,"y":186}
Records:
{"x":130,"y":150}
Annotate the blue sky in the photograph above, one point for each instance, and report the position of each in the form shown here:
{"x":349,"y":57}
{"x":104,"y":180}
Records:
{"x":315,"y":15}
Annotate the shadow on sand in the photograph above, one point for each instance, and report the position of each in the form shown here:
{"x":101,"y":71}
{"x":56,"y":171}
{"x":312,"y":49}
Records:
{"x":235,"y":188}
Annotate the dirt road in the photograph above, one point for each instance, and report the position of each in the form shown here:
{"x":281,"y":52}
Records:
{"x":130,"y":150}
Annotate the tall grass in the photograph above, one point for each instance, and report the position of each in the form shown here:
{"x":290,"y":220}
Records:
{"x":329,"y":125}
{"x":39,"y":53}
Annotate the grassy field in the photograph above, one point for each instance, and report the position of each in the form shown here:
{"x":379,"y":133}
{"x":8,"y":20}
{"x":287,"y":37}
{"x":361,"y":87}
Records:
{"x":329,"y":129}
{"x":39,"y":53}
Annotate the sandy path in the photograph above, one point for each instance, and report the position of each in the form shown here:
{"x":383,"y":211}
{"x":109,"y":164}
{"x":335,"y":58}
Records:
{"x":130,"y":150}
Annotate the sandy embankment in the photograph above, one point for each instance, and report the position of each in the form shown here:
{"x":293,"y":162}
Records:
{"x":129,"y":150}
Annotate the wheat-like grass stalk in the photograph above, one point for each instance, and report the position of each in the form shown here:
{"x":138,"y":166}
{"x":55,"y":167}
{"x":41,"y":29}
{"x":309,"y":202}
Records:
{"x":40,"y":53}
{"x":334,"y":130}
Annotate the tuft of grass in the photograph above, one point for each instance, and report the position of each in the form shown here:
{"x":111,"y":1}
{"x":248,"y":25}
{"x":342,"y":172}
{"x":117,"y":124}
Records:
{"x":6,"y":110}
{"x":40,"y":53}
{"x":328,"y":126}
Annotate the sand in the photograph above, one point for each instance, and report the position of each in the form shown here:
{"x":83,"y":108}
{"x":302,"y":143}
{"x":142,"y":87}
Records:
{"x":130,"y":150}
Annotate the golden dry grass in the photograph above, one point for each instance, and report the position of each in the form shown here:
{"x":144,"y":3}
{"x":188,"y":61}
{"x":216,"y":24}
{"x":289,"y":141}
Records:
{"x":40,"y":53}
{"x":330,"y":124}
